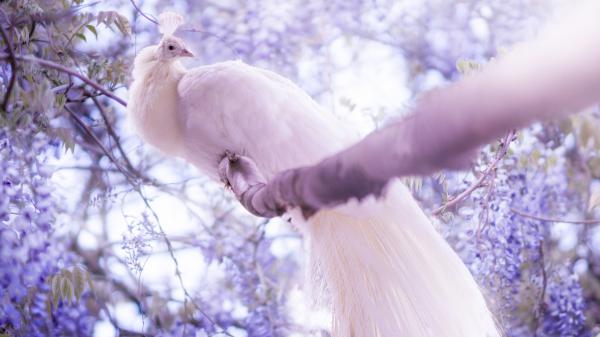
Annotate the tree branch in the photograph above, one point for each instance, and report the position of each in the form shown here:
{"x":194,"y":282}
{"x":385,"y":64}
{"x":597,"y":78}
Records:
{"x":61,"y":68}
{"x":115,"y":137}
{"x":544,"y":79}
{"x":98,"y":142}
{"x":147,"y":16}
{"x":549,"y":219}
{"x":13,"y":68}
{"x":460,"y":197}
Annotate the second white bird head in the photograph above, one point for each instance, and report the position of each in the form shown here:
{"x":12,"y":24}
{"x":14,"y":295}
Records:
{"x":171,"y":48}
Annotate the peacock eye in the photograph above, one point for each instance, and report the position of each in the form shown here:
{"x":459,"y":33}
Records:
{"x":171,"y":47}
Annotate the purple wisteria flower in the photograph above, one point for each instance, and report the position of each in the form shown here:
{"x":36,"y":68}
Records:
{"x":507,"y":251}
{"x":29,"y":255}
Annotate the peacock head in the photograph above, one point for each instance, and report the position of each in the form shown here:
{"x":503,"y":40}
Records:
{"x":172,"y":48}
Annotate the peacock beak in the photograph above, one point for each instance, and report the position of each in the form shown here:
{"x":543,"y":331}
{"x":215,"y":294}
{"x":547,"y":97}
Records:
{"x":186,"y":53}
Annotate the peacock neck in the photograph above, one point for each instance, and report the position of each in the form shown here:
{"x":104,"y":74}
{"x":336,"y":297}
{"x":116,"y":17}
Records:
{"x":157,"y":105}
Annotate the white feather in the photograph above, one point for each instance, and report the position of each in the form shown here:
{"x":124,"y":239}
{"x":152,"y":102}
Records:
{"x":153,"y":100}
{"x":390,"y":274}
{"x":168,"y":22}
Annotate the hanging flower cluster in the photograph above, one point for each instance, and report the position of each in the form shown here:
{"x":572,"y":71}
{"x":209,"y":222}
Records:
{"x":30,"y":255}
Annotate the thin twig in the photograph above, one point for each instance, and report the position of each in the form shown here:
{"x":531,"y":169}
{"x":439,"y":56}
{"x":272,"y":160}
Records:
{"x":122,"y":331}
{"x":61,"y":68}
{"x":216,"y":36}
{"x":460,"y":197}
{"x":177,"y":270}
{"x":13,"y":68}
{"x":87,"y":168}
{"x":153,"y":20}
{"x":550,"y":219}
{"x":91,"y":261}
{"x":113,"y":134}
{"x":70,"y":39}
{"x":46,"y":63}
{"x":191,"y":29}
{"x":155,"y":216}
{"x":98,"y":142}
{"x":144,"y":199}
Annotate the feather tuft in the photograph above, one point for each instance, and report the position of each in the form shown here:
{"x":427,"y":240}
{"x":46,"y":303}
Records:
{"x":169,"y":22}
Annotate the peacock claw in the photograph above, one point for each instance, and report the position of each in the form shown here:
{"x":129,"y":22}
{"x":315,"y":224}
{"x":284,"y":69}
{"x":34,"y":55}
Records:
{"x":232,"y":156}
{"x":224,"y":167}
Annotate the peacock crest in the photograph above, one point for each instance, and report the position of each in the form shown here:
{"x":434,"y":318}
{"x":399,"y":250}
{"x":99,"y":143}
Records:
{"x":168,"y":23}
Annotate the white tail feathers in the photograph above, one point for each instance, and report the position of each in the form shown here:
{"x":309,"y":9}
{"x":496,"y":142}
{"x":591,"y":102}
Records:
{"x":168,"y":22}
{"x":391,"y":274}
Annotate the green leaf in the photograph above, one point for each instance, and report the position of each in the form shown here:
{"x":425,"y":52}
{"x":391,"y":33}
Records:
{"x":123,"y":24}
{"x":55,"y":290}
{"x":93,"y":30}
{"x":110,"y":18}
{"x":461,"y":66}
{"x":66,"y":273}
{"x":78,"y":281}
{"x":66,"y":290}
{"x":61,"y":99}
{"x":49,"y":307}
{"x":89,"y":282}
{"x":66,"y":137}
{"x":81,"y":36}
{"x":69,"y":284}
{"x":467,"y":67}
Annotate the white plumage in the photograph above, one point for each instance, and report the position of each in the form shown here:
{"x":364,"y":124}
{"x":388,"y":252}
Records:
{"x":388,"y":271}
{"x":168,"y":22}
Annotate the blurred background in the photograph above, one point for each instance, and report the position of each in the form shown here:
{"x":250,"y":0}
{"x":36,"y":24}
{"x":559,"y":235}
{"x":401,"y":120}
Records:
{"x":101,"y":235}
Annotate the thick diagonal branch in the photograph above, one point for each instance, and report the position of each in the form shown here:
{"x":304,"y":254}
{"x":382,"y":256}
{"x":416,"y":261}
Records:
{"x":558,"y":73}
